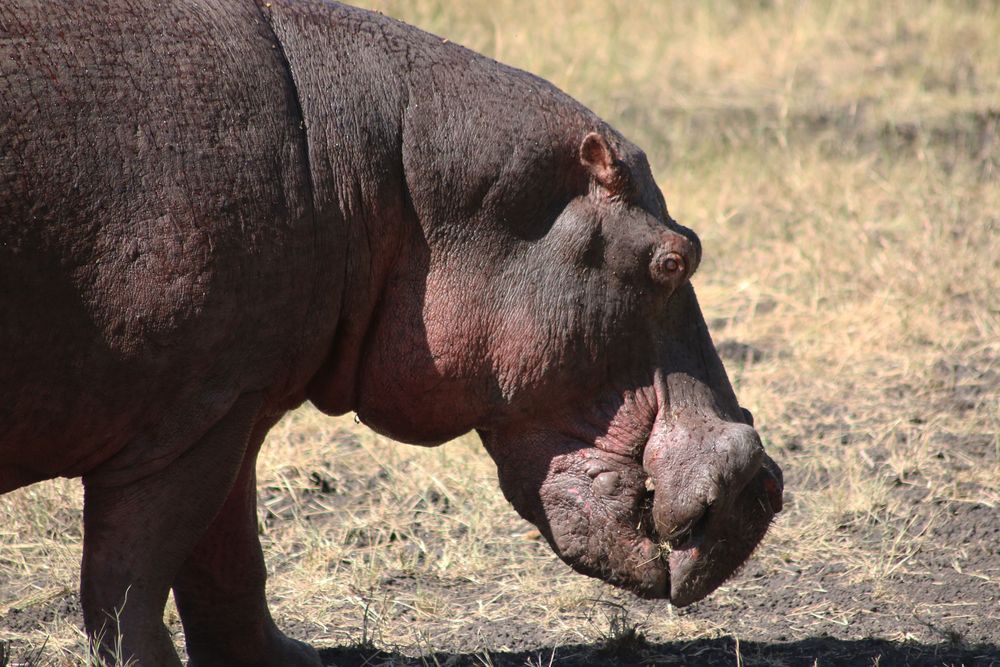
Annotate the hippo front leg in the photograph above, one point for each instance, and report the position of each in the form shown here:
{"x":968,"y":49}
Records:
{"x":220,"y":589}
{"x":137,"y":534}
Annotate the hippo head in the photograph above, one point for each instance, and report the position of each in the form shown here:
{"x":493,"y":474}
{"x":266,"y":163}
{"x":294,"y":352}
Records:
{"x":545,"y":302}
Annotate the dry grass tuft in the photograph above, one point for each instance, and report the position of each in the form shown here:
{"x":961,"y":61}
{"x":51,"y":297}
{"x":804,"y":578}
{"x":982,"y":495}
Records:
{"x":840,"y":161}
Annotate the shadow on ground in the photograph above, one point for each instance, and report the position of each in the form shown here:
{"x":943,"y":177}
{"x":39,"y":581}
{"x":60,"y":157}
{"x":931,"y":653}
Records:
{"x":819,"y":651}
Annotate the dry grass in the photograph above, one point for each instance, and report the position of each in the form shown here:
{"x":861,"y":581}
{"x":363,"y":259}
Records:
{"x":840,"y":163}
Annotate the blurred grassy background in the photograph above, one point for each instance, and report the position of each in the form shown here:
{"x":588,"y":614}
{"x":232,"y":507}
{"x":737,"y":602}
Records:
{"x":840,"y":162}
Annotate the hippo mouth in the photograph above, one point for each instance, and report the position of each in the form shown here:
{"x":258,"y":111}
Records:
{"x":676,"y":526}
{"x":702,"y":553}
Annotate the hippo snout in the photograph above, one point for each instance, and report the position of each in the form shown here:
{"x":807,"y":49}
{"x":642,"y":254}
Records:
{"x":699,"y":468}
{"x":715,"y":492}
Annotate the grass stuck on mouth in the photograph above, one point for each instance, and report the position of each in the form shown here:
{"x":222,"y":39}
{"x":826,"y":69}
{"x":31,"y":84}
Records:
{"x":840,"y":163}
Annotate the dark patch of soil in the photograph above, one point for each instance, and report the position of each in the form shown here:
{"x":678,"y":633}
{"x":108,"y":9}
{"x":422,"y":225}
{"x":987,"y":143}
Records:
{"x":34,"y":617}
{"x":936,"y":601}
{"x":738,"y":352}
{"x":930,"y":593}
{"x":964,"y":383}
{"x":819,"y":651}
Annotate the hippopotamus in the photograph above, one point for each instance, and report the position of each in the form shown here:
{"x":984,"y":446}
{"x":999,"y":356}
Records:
{"x":212,"y":211}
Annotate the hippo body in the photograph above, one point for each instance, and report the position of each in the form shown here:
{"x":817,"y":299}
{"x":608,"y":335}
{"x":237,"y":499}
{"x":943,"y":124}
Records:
{"x":212,"y":211}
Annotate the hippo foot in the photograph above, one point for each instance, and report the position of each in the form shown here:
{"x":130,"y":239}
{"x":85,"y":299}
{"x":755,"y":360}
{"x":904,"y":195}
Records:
{"x":285,"y":652}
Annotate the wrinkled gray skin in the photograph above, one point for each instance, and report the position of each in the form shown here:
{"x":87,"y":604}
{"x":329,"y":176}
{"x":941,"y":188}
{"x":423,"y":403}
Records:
{"x":212,"y":211}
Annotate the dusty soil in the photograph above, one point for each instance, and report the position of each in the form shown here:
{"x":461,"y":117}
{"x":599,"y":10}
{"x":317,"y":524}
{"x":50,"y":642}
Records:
{"x":945,"y":609}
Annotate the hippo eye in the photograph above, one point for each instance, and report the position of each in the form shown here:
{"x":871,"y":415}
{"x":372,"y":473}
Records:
{"x":672,"y":263}
{"x":675,"y":258}
{"x":667,"y":266}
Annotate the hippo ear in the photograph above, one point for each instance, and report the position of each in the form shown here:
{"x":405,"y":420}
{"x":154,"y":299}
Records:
{"x":604,"y":166}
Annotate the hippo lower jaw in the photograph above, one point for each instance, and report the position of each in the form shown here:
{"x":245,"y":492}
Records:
{"x":590,"y":505}
{"x":597,"y":511}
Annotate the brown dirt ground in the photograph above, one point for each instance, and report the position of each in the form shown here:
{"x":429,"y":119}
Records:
{"x":803,"y":613}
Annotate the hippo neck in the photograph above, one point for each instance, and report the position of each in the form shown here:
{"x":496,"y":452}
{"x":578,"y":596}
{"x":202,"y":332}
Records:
{"x":351,"y":118}
{"x":410,"y":138}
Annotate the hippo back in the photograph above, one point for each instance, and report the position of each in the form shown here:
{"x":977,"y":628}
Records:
{"x":156,"y":223}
